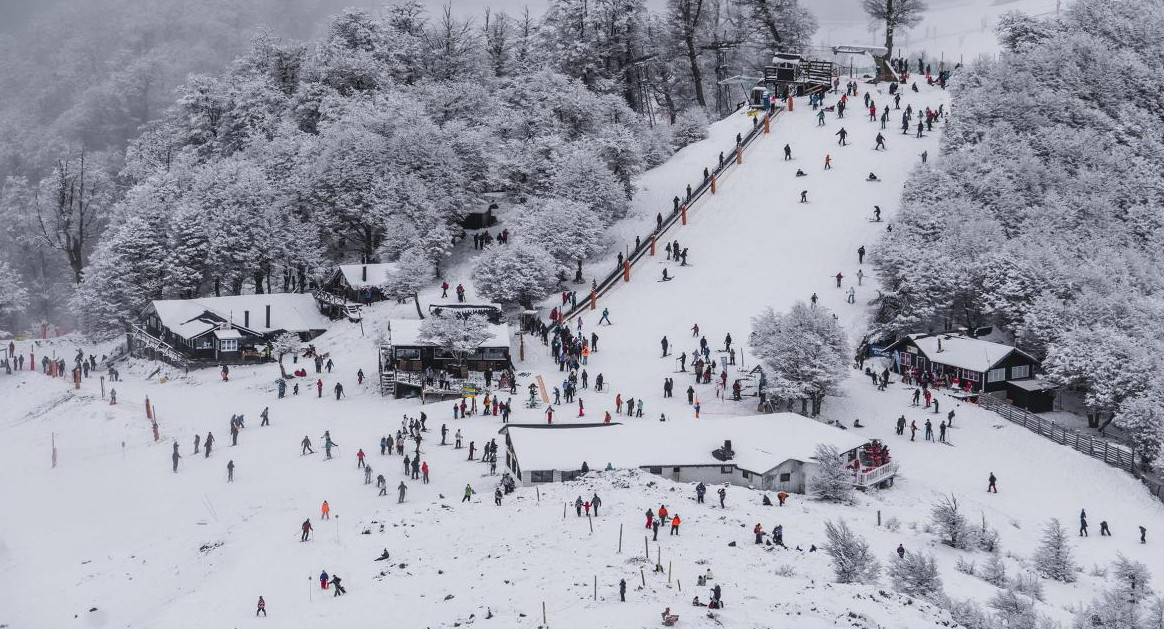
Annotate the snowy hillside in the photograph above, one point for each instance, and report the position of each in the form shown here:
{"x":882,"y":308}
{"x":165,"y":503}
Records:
{"x":112,"y":538}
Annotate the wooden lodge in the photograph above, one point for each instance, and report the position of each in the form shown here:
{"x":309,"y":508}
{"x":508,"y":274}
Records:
{"x":411,"y":366}
{"x":217,"y":330}
{"x":975,"y":365}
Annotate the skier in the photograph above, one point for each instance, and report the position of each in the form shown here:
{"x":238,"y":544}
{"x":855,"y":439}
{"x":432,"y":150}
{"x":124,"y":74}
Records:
{"x":839,"y":277}
{"x":306,"y":443}
{"x":877,"y":213}
{"x":929,"y":430}
{"x":605,"y":316}
{"x":207,"y":444}
{"x":175,"y":456}
{"x":401,"y":489}
{"x":861,"y":254}
{"x":339,"y":391}
{"x":230,"y":471}
{"x":468,"y":493}
{"x":325,"y":511}
{"x":843,"y":135}
{"x":306,"y":528}
{"x":328,"y":444}
{"x":991,"y":486}
{"x":662,"y":342}
{"x":727,"y":342}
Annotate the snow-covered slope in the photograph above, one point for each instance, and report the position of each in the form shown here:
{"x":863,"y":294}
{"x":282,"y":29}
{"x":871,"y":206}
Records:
{"x":114,"y":530}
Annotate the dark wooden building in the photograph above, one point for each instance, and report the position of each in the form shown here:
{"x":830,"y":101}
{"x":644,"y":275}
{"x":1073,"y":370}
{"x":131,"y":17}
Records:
{"x":978,"y":365}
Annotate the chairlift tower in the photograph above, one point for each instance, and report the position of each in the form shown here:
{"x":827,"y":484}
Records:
{"x":642,"y":70}
{"x":722,"y":90}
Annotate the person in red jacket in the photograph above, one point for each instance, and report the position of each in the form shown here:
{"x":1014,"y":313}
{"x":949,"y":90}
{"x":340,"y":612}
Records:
{"x":360,"y":458}
{"x":319,"y":388}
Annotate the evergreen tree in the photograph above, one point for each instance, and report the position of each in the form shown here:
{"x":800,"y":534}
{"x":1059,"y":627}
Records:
{"x":994,"y":570}
{"x":1053,"y":558}
{"x":122,"y":277}
{"x":915,"y":574}
{"x":415,"y":272}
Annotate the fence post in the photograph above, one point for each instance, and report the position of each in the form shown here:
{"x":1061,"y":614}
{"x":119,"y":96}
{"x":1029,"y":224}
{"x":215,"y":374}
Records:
{"x":626,"y":271}
{"x":767,"y":123}
{"x":713,"y":183}
{"x":683,"y":213}
{"x":653,"y":241}
{"x":739,"y":155}
{"x":593,"y":299}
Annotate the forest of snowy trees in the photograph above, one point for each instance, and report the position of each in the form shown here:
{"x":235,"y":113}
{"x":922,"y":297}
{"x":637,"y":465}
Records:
{"x":163,"y":169}
{"x":1046,"y":214}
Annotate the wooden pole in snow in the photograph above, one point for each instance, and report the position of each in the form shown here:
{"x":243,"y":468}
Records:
{"x":596,"y":587}
{"x":544,"y":613}
{"x":647,"y":547}
{"x":619,"y":538}
{"x":591,"y":523}
{"x":564,"y":510}
{"x":643,"y":574}
{"x":668,"y":573}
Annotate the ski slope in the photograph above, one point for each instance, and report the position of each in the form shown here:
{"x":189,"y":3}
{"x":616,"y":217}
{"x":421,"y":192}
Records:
{"x":113,"y":530}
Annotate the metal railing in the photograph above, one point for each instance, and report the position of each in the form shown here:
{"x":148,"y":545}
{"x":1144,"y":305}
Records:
{"x":163,"y":349}
{"x":697,"y":193}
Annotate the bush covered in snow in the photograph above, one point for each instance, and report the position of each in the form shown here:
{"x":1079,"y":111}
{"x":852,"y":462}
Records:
{"x":916,"y":574}
{"x":804,"y":352}
{"x":853,"y":562}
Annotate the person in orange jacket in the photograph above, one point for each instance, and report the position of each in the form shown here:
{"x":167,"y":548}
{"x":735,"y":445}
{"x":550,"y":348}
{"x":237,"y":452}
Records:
{"x":585,"y":353}
{"x":618,"y":404}
{"x":325,"y":511}
{"x":782,"y":496}
{"x":663,"y":512}
{"x":675,"y":524}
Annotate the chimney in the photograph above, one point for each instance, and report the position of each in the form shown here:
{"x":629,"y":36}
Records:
{"x":939,"y":344}
{"x":727,"y":447}
{"x":364,"y":273}
{"x":268,"y":326}
{"x":247,"y":319}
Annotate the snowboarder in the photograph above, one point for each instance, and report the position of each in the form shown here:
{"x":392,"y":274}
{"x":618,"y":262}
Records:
{"x":991,"y":484}
{"x":306,"y":443}
{"x":335,"y":584}
{"x":842,"y":134}
{"x":787,"y":152}
{"x":877,"y":213}
{"x":880,"y":146}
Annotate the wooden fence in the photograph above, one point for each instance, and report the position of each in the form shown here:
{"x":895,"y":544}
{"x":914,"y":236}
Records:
{"x":1114,"y":454}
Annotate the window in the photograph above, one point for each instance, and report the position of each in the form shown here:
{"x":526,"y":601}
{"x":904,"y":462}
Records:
{"x":1020,"y":371}
{"x":408,"y":353}
{"x":228,"y":345}
{"x":541,"y":477}
{"x":785,"y":477}
{"x":725,"y":469}
{"x":996,"y":375}
{"x":674,"y":470}
{"x":655,"y":470}
{"x":972,"y":376}
{"x":747,"y":475}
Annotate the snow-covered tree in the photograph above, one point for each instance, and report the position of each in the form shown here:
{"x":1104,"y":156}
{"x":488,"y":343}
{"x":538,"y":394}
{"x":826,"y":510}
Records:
{"x":285,"y":343}
{"x":13,"y":296}
{"x":994,"y":570}
{"x":1133,"y":579}
{"x":461,"y":336}
{"x":122,"y":277}
{"x":570,"y":231}
{"x":950,"y":522}
{"x":518,"y":273}
{"x":1053,"y":558}
{"x":804,"y":352}
{"x":853,"y":562}
{"x":915,"y":574}
{"x":833,"y":481}
{"x":1014,"y":610}
{"x":1142,"y":417}
{"x":415,"y":272}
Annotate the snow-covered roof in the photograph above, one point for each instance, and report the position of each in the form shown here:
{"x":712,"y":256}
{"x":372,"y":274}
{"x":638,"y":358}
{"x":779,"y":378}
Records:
{"x":760,"y":442}
{"x":292,"y":312}
{"x":378,"y":274}
{"x":227,"y":334}
{"x":1033,"y":384}
{"x":406,"y":332}
{"x":963,"y":352}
